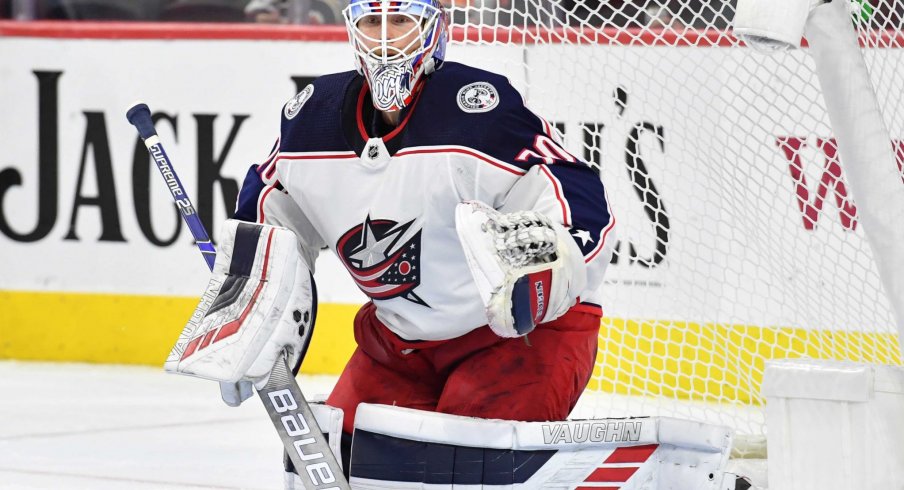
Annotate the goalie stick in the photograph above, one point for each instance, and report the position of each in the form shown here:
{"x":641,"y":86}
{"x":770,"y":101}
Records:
{"x":301,"y":436}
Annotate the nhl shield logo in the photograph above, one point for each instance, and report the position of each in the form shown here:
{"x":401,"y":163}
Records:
{"x":478,"y":97}
{"x":373,"y":151}
{"x":293,"y":107}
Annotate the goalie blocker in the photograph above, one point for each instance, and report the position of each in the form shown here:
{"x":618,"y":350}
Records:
{"x":259,"y":305}
{"x":400,"y":448}
{"x":257,"y":313}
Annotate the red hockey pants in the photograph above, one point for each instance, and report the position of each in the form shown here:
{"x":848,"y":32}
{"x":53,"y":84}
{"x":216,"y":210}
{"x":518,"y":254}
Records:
{"x":478,"y":374}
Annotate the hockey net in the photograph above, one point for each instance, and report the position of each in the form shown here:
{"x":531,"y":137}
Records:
{"x":738,"y":237}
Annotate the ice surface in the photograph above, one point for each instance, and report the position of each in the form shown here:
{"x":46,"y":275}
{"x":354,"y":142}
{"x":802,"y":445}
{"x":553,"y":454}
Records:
{"x":81,"y":426}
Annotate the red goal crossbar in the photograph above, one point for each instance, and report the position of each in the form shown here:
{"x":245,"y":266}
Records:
{"x":655,"y":36}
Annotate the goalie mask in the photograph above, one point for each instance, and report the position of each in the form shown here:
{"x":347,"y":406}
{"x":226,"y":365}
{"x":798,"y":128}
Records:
{"x":396,"y":43}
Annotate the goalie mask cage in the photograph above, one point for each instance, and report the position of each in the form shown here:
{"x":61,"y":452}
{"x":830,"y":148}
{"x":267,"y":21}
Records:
{"x":739,"y":238}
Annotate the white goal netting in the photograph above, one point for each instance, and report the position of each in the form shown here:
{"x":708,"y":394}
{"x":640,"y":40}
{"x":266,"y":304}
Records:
{"x":739,"y":239}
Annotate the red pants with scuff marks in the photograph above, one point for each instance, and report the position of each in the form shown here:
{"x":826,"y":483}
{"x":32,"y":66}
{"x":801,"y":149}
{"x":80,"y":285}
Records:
{"x":478,"y":374}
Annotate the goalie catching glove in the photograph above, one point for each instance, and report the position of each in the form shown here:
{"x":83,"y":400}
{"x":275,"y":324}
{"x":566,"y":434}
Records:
{"x":259,"y":305}
{"x":527,"y":268}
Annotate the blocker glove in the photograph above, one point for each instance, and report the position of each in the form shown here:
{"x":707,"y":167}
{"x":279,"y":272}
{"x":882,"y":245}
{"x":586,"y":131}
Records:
{"x":258,"y":309}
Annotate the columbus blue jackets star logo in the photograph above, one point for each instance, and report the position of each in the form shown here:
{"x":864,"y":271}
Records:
{"x":381,"y":263}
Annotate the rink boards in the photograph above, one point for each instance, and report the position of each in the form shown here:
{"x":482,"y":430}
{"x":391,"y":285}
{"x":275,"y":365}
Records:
{"x":97,"y":267}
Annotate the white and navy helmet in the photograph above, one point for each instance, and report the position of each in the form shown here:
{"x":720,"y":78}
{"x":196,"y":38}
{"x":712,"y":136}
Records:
{"x":393,"y":72}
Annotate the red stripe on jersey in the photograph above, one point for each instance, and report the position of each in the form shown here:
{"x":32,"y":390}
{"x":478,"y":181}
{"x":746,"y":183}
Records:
{"x":417,"y":97}
{"x":310,"y":156}
{"x":602,"y":243}
{"x":611,"y":474}
{"x":272,"y":163}
{"x":359,"y":115}
{"x":260,"y":209}
{"x":605,"y":232}
{"x":546,"y":126}
{"x":359,"y":109}
{"x":262,"y":167}
{"x":272,"y":169}
{"x":556,"y":185}
{"x":632,"y":454}
{"x":265,"y":167}
{"x":465,"y":151}
{"x":319,"y":156}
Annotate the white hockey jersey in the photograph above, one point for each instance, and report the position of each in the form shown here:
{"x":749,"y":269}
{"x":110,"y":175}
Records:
{"x":383,"y":199}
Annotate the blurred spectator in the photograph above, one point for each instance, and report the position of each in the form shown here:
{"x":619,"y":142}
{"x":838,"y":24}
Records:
{"x":885,"y":14}
{"x":267,"y":11}
{"x":96,"y":10}
{"x":699,"y":14}
{"x":594,"y":13}
{"x":203,"y":11}
{"x":598,"y":13}
{"x":139,"y":10}
{"x":458,"y":11}
{"x":660,"y":16}
{"x":640,"y":13}
{"x":503,"y":12}
{"x":295,"y":11}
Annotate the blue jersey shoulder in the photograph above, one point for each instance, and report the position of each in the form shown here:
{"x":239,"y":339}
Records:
{"x":479,"y":109}
{"x":311,"y":121}
{"x":460,"y":106}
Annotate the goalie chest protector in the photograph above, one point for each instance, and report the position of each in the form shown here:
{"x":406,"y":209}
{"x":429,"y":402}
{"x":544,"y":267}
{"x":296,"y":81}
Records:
{"x":385,"y":205}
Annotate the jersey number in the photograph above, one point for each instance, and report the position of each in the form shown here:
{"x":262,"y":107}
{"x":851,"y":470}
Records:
{"x":545,"y":149}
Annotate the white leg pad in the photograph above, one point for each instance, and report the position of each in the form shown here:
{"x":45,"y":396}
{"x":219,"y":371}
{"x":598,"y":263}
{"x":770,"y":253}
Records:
{"x":403,"y":448}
